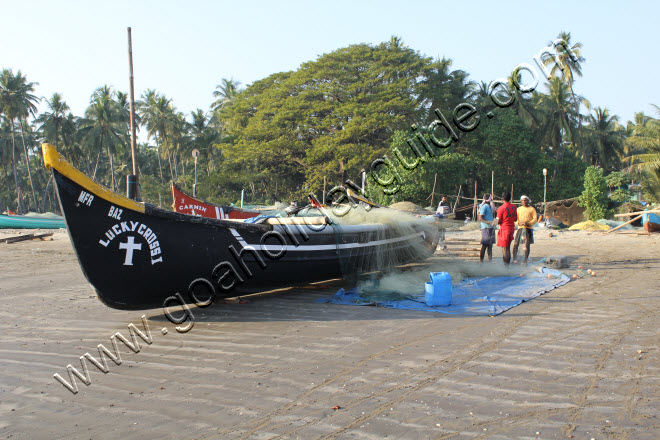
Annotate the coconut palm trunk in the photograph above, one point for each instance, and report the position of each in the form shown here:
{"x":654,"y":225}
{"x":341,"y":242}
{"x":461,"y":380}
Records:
{"x":27,"y":163}
{"x":46,"y":193}
{"x":13,"y":163}
{"x":112,"y":170}
{"x":160,"y":166}
{"x":98,"y":156}
{"x":579,"y":115}
{"x":169,"y":158}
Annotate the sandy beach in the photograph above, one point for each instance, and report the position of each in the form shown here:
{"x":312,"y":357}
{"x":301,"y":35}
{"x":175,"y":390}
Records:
{"x":580,"y":361}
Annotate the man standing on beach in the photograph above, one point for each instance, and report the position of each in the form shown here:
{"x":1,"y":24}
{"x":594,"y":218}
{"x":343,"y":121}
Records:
{"x":506,"y":217}
{"x":487,"y":230}
{"x":527,"y":217}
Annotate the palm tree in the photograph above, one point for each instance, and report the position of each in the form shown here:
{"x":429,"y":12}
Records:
{"x":604,"y":144}
{"x":481,"y":97}
{"x":16,"y":103}
{"x":57,"y":128}
{"x":180,"y":142}
{"x":157,"y":114}
{"x":639,"y":120}
{"x":103,"y":127}
{"x":524,"y":104}
{"x":568,"y":61}
{"x":645,"y":139}
{"x":226,"y":92}
{"x":203,"y":135}
{"x":559,"y":118}
{"x":28,"y":108}
{"x":443,"y":88}
{"x":6,"y":149}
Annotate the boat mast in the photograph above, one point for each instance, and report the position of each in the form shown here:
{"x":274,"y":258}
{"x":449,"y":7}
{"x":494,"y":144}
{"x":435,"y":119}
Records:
{"x":132,"y":183}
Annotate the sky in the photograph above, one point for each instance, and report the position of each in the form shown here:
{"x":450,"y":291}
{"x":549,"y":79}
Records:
{"x":184,"y":49}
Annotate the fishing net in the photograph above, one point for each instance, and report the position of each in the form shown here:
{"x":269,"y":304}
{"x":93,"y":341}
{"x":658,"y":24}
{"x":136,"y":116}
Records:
{"x":614,"y":224}
{"x":379,"y":239}
{"x":589,"y":225}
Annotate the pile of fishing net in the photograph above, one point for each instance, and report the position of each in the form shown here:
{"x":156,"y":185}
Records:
{"x":589,"y":225}
{"x":400,"y":237}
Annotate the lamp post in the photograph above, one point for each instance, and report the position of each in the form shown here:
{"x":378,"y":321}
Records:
{"x":545,"y":191}
{"x":195,"y":155}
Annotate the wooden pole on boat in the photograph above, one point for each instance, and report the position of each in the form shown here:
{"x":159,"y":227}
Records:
{"x":433,"y":190}
{"x":132,"y":183}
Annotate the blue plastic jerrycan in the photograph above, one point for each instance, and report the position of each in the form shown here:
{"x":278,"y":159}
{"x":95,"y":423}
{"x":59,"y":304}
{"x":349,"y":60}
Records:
{"x":438,"y":290}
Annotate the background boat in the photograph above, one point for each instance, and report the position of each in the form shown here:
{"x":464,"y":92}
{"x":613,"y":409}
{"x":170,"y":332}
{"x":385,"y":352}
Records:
{"x":651,"y":222}
{"x":187,"y":204}
{"x":35,"y":221}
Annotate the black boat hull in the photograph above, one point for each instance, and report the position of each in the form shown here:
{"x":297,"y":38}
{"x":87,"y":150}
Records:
{"x":137,"y":260}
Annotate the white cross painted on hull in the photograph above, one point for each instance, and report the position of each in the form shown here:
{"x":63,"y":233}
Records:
{"x":130,"y":246}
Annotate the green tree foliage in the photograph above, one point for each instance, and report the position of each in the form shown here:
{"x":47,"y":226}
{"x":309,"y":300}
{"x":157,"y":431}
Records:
{"x":594,"y":196}
{"x":604,"y":140}
{"x":620,"y":195}
{"x":643,"y":148}
{"x":617,"y":179}
{"x":503,"y":144}
{"x":330,"y":118}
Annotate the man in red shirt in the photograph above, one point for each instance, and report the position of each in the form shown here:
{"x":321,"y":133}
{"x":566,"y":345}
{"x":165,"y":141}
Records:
{"x":507,"y":217}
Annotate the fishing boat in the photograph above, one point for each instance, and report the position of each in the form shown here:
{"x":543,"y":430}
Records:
{"x":138,"y":256}
{"x":187,"y":204}
{"x":651,"y":222}
{"x":31,"y":222}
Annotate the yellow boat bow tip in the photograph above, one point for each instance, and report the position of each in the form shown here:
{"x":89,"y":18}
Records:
{"x":54,"y":160}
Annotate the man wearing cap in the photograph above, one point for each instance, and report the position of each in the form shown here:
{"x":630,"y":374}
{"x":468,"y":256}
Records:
{"x":527,"y":217}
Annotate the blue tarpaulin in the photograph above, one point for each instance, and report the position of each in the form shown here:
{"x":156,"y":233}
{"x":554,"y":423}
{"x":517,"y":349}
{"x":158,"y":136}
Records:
{"x":472,"y":296}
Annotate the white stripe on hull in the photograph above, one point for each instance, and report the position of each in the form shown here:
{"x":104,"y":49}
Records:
{"x":324,"y":247}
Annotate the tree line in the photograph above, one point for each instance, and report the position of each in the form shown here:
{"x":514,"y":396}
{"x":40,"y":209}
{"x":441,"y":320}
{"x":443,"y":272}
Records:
{"x":310,"y":129}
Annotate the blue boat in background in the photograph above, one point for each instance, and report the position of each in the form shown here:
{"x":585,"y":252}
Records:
{"x":31,"y":221}
{"x":651,"y":222}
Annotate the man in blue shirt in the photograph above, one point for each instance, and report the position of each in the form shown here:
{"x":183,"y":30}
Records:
{"x":486,"y":210}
